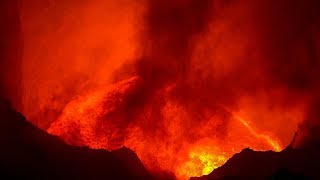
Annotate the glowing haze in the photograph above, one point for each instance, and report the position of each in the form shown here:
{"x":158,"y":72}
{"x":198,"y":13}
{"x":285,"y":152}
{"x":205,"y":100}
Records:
{"x":184,"y":83}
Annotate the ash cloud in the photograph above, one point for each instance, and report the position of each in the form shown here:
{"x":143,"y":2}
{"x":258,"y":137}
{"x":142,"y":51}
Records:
{"x":291,"y":42}
{"x":169,"y":33}
{"x":285,"y":46}
{"x":197,"y":53}
{"x":267,"y":44}
{"x":169,"y":28}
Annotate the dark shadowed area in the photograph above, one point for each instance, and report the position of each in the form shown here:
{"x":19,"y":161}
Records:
{"x":27,"y":152}
{"x":11,"y":51}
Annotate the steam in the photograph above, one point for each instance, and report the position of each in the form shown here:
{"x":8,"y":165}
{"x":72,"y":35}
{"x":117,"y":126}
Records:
{"x":167,"y":46}
{"x":266,"y":62}
{"x":293,"y":49}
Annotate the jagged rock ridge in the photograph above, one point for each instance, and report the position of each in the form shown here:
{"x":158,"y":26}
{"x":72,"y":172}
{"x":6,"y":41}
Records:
{"x":28,"y":152}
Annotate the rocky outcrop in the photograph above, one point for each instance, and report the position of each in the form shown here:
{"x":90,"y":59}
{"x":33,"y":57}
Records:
{"x":291,"y":163}
{"x":28,"y":152}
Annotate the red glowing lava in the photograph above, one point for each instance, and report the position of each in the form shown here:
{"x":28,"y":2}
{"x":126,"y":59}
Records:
{"x":184,"y":84}
{"x":176,"y":144}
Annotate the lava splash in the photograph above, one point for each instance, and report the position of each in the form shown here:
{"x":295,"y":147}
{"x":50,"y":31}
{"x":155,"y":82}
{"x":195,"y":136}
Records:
{"x":185,"y":84}
{"x":163,"y":134}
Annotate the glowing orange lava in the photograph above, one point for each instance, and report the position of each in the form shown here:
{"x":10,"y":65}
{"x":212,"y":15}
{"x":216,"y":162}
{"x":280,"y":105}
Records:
{"x":274,"y":143}
{"x":97,"y":120}
{"x":182,"y":84}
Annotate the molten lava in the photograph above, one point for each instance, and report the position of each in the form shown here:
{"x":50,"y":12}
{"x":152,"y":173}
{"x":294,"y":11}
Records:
{"x":174,"y":143}
{"x":275,"y":144}
{"x":184,"y":84}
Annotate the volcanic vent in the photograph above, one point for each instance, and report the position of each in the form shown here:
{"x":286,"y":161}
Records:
{"x":184,"y":84}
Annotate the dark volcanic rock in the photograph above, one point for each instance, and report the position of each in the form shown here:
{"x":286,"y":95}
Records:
{"x":302,"y":163}
{"x":28,"y":152}
{"x":300,"y":160}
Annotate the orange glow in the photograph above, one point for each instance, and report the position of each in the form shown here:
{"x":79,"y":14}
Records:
{"x":274,"y":144}
{"x":106,"y":74}
{"x":201,"y":162}
{"x":94,"y":120}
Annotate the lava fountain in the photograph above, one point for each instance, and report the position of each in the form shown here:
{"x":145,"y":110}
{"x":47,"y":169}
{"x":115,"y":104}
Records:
{"x":164,"y":135}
